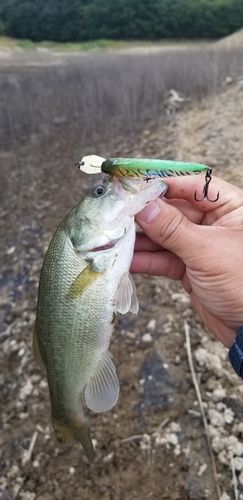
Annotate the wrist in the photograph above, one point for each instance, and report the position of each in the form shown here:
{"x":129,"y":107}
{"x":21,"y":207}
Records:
{"x":236,"y":353}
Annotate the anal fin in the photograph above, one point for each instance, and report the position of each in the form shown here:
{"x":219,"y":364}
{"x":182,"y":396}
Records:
{"x":36,"y":351}
{"x":102,"y":391}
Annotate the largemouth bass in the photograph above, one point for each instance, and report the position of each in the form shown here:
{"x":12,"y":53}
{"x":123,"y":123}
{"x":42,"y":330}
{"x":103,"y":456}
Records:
{"x":84,"y":282}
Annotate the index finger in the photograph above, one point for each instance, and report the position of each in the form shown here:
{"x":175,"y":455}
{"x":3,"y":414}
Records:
{"x":230,"y":197}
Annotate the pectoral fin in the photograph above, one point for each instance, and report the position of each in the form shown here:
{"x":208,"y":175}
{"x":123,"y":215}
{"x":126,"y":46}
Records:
{"x":102,"y":391}
{"x":126,"y":297}
{"x":82,"y":282}
{"x":36,"y":351}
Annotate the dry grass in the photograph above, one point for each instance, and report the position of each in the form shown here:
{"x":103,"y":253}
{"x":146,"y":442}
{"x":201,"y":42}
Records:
{"x":232,"y":41}
{"x":104,"y":96}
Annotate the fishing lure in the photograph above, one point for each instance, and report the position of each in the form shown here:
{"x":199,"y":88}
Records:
{"x":149,"y":169}
{"x":146,"y":169}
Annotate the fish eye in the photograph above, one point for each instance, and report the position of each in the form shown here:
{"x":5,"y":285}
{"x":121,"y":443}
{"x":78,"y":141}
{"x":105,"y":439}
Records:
{"x":98,"y":191}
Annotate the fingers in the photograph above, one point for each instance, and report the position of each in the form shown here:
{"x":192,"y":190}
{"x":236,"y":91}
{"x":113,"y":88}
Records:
{"x":144,"y":244}
{"x":169,"y":228}
{"x":194,"y":214}
{"x":162,"y":263}
{"x":173,"y":230}
{"x":230,"y":197}
{"x":231,"y":219}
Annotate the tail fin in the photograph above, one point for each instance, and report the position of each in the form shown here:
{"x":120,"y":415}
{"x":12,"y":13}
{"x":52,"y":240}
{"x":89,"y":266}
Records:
{"x":74,"y":430}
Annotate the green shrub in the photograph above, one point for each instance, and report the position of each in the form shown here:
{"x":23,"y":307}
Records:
{"x":85,"y":20}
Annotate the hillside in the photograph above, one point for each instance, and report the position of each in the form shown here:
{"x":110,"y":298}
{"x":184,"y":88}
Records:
{"x":234,"y":40}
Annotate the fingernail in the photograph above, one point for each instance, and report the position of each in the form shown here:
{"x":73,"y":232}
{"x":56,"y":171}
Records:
{"x":149,"y":213}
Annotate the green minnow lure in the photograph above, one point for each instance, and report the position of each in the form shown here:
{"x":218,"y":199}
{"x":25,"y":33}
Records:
{"x":142,"y":168}
{"x":138,"y":167}
{"x":149,"y":169}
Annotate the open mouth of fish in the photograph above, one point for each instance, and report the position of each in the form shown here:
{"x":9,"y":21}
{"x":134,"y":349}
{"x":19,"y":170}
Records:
{"x":108,"y":246}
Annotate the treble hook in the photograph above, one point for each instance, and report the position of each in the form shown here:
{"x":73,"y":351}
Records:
{"x":208,"y":178}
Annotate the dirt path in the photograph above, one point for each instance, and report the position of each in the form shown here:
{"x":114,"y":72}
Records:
{"x":42,"y":56}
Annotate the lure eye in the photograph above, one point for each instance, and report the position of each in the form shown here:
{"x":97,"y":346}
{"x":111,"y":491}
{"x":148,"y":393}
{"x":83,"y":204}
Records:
{"x":98,"y":191}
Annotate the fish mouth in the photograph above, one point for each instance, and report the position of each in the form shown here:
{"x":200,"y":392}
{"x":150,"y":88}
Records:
{"x":108,"y":246}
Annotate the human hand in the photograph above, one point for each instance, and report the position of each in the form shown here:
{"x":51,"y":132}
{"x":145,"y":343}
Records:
{"x":201,"y":244}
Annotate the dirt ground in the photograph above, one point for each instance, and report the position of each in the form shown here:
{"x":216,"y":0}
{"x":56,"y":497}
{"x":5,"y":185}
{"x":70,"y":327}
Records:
{"x":152,"y":444}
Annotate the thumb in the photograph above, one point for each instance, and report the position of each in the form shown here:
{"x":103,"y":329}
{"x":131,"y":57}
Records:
{"x":168,"y":227}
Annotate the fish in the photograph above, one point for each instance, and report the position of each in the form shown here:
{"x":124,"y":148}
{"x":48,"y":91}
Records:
{"x":84,"y":283}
